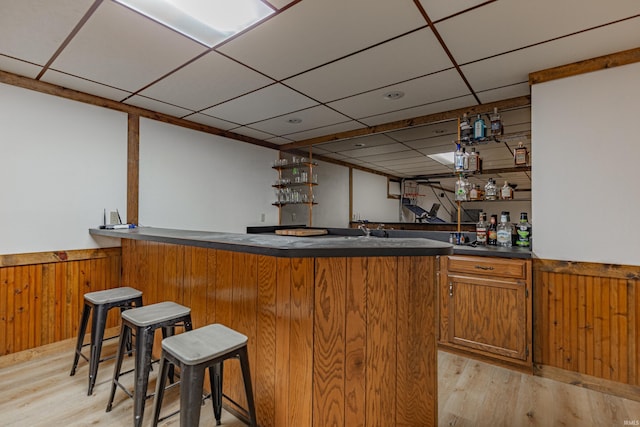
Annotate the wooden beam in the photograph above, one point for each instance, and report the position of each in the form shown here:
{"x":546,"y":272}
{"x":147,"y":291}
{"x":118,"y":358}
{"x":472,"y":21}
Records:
{"x":32,"y":258}
{"x":408,"y":123}
{"x":63,"y":92}
{"x":133,"y":168}
{"x":595,"y":64}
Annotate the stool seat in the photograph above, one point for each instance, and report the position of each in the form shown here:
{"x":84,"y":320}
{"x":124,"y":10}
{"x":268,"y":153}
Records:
{"x":155,"y":313}
{"x":202,"y":344}
{"x":100,"y":302}
{"x":110,"y":296}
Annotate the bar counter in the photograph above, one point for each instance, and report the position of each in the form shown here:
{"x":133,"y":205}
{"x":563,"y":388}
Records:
{"x":342,"y":330}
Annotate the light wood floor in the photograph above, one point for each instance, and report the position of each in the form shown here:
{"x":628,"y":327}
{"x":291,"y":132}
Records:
{"x":36,"y":390}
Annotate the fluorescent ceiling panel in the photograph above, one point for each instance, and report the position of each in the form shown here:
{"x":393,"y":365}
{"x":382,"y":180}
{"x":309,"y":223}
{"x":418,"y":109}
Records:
{"x":442,"y":158}
{"x":206,"y":21}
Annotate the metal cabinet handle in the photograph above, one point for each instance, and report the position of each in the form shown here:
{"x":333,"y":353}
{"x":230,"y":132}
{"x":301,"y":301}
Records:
{"x":483,"y":267}
{"x":450,"y":289}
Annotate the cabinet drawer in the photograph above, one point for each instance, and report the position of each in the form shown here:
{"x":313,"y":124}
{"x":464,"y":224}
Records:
{"x":499,"y":267}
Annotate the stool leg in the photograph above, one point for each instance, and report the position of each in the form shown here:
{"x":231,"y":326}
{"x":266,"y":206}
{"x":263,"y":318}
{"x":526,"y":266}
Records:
{"x":246,"y":376}
{"x":215,"y":379}
{"x":124,"y":330}
{"x":144,"y":346}
{"x":191,"y":383}
{"x":160,"y":385}
{"x":97,"y":335}
{"x":86,"y":311}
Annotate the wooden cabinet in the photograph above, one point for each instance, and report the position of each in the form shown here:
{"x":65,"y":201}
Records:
{"x":485,"y":307}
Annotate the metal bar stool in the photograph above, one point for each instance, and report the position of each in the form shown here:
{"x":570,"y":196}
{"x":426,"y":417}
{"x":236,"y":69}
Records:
{"x":143,"y":322}
{"x":101,"y":302}
{"x":193,"y":352}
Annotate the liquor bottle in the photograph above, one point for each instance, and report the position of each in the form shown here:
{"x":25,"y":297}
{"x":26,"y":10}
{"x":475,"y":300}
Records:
{"x":458,"y":159}
{"x":490,"y":190}
{"x":506,"y":192}
{"x":479,"y":129}
{"x":462,"y":190}
{"x":465,"y":129}
{"x":504,"y":230}
{"x":473,"y":193}
{"x":492,"y":231}
{"x":520,"y":155}
{"x":465,"y":159}
{"x":523,"y":230}
{"x":474,"y":161}
{"x":496,"y":123}
{"x":481,"y":229}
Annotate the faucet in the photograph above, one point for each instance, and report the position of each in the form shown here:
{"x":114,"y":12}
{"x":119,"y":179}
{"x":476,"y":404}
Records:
{"x":365,"y":229}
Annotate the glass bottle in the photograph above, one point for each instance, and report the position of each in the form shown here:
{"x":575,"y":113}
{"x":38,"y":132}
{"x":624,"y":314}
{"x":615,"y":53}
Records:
{"x":474,"y":161}
{"x":496,"y":123}
{"x":473,"y":193}
{"x":481,"y":229}
{"x":521,"y":155}
{"x":458,"y":159}
{"x":462,"y":190}
{"x":479,"y":128}
{"x":490,"y":190}
{"x":465,"y":159}
{"x":504,"y":230}
{"x":492,"y":231}
{"x":506,"y":192}
{"x":465,"y":129}
{"x":523,"y":230}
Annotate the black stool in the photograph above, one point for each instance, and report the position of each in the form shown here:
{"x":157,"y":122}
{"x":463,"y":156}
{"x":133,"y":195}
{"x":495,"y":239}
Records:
{"x":101,"y":302}
{"x":193,"y":352}
{"x":143,"y":322}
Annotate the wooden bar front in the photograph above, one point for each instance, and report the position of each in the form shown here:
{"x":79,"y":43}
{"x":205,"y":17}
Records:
{"x":342,"y":341}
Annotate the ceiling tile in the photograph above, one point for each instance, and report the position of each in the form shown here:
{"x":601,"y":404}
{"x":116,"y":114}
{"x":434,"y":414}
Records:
{"x":421,"y":110}
{"x":385,"y":64}
{"x":311,"y":118}
{"x":83,"y":85}
{"x":153,"y":105}
{"x":272,"y":101}
{"x":349,"y":144}
{"x":429,"y":89}
{"x":325,"y":130}
{"x":33,"y":30}
{"x":371,"y":151}
{"x":505,"y":92}
{"x":211,"y":121}
{"x":312,"y":33}
{"x":253,"y":133}
{"x":438,"y":9}
{"x":21,"y":68}
{"x":522,"y":22}
{"x":198,"y":85}
{"x":279,"y":140}
{"x":515,"y":67}
{"x":139,"y":52}
{"x":442,"y":129}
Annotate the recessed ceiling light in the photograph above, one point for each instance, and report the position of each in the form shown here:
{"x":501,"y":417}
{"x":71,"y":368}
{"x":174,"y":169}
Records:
{"x":359,"y":144}
{"x":442,"y":158}
{"x":206,"y":21}
{"x":294,"y":120}
{"x":396,"y":94}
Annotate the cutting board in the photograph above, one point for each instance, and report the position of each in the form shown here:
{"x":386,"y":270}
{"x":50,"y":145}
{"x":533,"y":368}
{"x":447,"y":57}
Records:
{"x":301,"y":232}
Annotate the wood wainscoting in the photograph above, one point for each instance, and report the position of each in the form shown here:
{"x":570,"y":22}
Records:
{"x":587,"y":325}
{"x":41,"y":294}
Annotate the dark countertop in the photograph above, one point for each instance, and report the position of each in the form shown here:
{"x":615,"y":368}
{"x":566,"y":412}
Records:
{"x":287,"y":246}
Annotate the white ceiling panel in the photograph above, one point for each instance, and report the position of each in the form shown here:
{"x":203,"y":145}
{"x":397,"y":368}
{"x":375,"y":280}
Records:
{"x":139,"y":52}
{"x":33,"y":30}
{"x":521,"y":23}
{"x":329,"y":29}
{"x":279,"y":140}
{"x":515,"y":67}
{"x":345,"y":77}
{"x":395,"y":155}
{"x":438,"y":9}
{"x":207,"y":81}
{"x":506,"y":92}
{"x":349,"y":144}
{"x":83,"y":85}
{"x":253,"y":133}
{"x":371,"y":151}
{"x":153,"y":105}
{"x":311,"y":118}
{"x":272,"y":101}
{"x":436,"y":130}
{"x":21,"y":68}
{"x":421,"y":110}
{"x":211,"y":121}
{"x":325,"y":130}
{"x":428,"y":89}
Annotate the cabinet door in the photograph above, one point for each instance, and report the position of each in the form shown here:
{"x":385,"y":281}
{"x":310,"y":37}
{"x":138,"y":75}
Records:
{"x":488,"y":315}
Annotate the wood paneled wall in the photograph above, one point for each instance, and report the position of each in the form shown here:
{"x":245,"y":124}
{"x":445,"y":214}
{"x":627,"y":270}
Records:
{"x":41,"y":294}
{"x":587,"y":320}
{"x":332,"y":341}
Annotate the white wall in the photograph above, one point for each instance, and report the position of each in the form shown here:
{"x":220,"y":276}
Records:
{"x":332,"y":194}
{"x":197,"y":181}
{"x":63,"y":163}
{"x":585,"y":174}
{"x":370,"y":200}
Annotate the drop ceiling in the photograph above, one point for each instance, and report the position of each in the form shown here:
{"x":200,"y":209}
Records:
{"x":328,"y":63}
